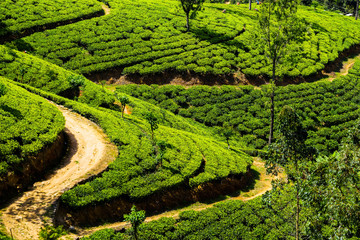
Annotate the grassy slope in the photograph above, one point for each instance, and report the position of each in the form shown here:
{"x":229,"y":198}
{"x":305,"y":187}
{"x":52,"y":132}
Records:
{"x":326,"y":108}
{"x":18,"y":16}
{"x":132,"y":136}
{"x":157,"y":41}
{"x":25,"y":68}
{"x":28,"y":123}
{"x":137,"y":172}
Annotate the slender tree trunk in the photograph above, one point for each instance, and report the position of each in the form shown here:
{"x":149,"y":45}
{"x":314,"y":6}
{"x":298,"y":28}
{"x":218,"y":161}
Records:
{"x":272,"y":107}
{"x":297,"y":205}
{"x":357,"y":10}
{"x":135,"y":233}
{"x":249,"y":4}
{"x":187,"y":22}
{"x":227,"y":140}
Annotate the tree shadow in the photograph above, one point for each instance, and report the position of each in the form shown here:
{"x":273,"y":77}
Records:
{"x":16,"y":113}
{"x":207,"y":34}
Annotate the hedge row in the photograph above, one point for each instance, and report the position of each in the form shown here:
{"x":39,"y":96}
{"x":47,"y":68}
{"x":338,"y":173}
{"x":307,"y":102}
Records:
{"x":218,"y":43}
{"x":24,"y":68}
{"x":228,"y":220}
{"x":28,"y":123}
{"x":327,"y":109}
{"x":18,"y":16}
{"x":139,"y":169}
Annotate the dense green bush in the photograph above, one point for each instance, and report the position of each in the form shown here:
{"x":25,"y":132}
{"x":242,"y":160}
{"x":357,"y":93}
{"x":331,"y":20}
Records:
{"x":18,"y":16}
{"x":228,"y":220}
{"x":28,"y":123}
{"x":136,"y":172}
{"x":327,"y":109}
{"x":24,"y":68}
{"x":218,"y":42}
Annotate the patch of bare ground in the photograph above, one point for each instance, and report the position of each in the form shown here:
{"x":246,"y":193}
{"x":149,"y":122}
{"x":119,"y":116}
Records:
{"x":106,"y":9}
{"x":262,"y":184}
{"x":89,"y":153}
{"x":343,"y":72}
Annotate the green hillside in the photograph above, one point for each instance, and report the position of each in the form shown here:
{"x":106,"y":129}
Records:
{"x":146,"y":37}
{"x":192,"y":156}
{"x":327,"y":109}
{"x":19,"y":17}
{"x":28,"y":124}
{"x":25,"y":68}
{"x":227,"y":220}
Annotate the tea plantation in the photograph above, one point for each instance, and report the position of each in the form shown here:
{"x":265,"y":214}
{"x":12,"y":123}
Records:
{"x":52,"y":48}
{"x":149,"y":37}
{"x":227,"y":220}
{"x":17,"y":17}
{"x":28,"y":124}
{"x":327,"y":109}
{"x":25,"y":68}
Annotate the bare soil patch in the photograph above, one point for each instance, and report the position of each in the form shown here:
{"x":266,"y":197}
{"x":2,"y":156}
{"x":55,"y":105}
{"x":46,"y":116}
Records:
{"x":106,"y":9}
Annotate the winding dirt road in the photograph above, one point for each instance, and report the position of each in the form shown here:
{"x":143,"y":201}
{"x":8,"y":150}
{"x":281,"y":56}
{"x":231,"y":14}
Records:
{"x":89,"y":153}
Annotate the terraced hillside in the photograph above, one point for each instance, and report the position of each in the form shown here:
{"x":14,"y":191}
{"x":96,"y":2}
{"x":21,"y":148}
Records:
{"x":29,"y":125}
{"x":19,"y":18}
{"x":25,"y":68}
{"x":218,"y":43}
{"x":327,"y":109}
{"x":184,"y":156}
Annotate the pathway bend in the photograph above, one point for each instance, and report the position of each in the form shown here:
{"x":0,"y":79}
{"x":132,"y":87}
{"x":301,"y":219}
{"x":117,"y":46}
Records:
{"x":262,"y":185}
{"x":89,"y":153}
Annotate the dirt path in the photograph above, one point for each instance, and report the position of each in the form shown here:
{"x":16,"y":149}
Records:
{"x":89,"y":153}
{"x":344,"y":71}
{"x":262,"y":185}
{"x":106,"y":9}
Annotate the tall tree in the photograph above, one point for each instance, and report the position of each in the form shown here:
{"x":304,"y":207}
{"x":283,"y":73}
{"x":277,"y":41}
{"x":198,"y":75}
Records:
{"x":357,"y":10}
{"x":278,"y":26}
{"x":135,"y":218}
{"x":291,"y":153}
{"x":124,"y":100}
{"x":334,"y":192}
{"x":250,"y":4}
{"x":153,"y":121}
{"x":191,"y":7}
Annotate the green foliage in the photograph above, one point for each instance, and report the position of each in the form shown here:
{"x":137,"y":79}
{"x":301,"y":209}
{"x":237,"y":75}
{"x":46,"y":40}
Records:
{"x":290,"y":149}
{"x":38,"y":73}
{"x":254,"y":219}
{"x":4,"y":237}
{"x":333,"y":191}
{"x":49,"y":232}
{"x":326,"y":109}
{"x":136,"y":218}
{"x":216,"y":44}
{"x":28,"y":123}
{"x":2,"y":89}
{"x":106,"y":234}
{"x":153,"y":120}
{"x":17,"y":17}
{"x":124,"y":100}
{"x":191,"y":6}
{"x":76,"y":80}
{"x":135,"y":173}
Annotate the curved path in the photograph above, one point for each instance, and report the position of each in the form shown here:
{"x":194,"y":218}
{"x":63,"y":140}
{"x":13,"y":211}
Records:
{"x":89,"y":153}
{"x":263,"y":184}
{"x":347,"y":65}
